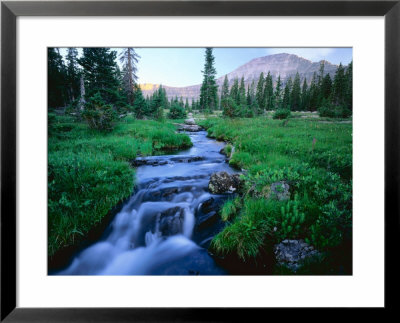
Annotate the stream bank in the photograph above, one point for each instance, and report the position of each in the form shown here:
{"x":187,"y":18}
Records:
{"x":166,"y":226}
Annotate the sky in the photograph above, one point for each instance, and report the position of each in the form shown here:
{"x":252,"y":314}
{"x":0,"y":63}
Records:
{"x":183,"y":66}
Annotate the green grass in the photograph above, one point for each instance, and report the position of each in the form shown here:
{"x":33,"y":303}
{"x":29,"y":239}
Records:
{"x":314,"y":158}
{"x":89,"y":172}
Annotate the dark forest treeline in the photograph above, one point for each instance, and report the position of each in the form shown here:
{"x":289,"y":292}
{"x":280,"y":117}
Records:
{"x":96,"y":89}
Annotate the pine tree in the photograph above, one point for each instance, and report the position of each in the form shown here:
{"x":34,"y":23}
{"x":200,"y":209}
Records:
{"x":286,"y":97}
{"x":260,"y":92}
{"x":234,"y":93}
{"x":73,"y":74}
{"x":157,"y":104}
{"x":349,"y":86}
{"x":313,"y":93}
{"x":209,"y":87}
{"x":242,"y":93}
{"x":326,"y":88}
{"x":269,"y":92}
{"x":286,"y":94}
{"x":100,"y":73}
{"x":129,"y":58}
{"x":278,"y":93}
{"x":321,"y":73}
{"x":304,"y":96}
{"x":57,"y":79}
{"x":225,"y":89}
{"x":339,"y":86}
{"x":140,"y":107}
{"x":295,"y":94}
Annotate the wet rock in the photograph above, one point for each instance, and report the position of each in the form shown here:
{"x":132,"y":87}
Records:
{"x":198,"y":262}
{"x":221,"y":182}
{"x":151,"y":161}
{"x":190,"y":122}
{"x":206,"y":206}
{"x":208,"y":220}
{"x":190,"y":128}
{"x":141,"y":161}
{"x":292,"y":253}
{"x":169,"y":191}
{"x":171,"y":221}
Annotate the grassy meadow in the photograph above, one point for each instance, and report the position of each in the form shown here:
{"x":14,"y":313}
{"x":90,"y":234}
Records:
{"x":312,"y":155}
{"x":89,"y":171}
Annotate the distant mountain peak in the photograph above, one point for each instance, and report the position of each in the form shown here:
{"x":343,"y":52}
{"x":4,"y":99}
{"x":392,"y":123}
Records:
{"x":284,"y":64}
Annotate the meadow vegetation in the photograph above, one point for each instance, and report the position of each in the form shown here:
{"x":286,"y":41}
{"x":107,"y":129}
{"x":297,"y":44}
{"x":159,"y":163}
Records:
{"x":314,"y":158}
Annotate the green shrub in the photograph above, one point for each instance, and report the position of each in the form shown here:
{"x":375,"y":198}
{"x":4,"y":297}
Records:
{"x":281,"y":114}
{"x":291,"y":221}
{"x":330,"y":110}
{"x":177,"y":112}
{"x":99,"y":115}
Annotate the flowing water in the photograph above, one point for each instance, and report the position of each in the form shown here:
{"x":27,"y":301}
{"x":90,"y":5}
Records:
{"x":167,"y":224}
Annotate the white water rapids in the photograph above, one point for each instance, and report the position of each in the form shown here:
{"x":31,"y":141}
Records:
{"x":164,"y":227}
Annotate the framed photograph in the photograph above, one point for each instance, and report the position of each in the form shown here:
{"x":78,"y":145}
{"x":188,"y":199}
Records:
{"x":162,"y":159}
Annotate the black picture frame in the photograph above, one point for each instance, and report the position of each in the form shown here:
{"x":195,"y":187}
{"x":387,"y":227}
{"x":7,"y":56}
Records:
{"x":10,"y":10}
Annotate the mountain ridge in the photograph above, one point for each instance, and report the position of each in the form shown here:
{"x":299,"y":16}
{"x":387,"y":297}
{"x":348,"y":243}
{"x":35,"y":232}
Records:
{"x":283,"y":64}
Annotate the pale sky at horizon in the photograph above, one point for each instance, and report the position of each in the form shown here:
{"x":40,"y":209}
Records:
{"x":183,"y":66}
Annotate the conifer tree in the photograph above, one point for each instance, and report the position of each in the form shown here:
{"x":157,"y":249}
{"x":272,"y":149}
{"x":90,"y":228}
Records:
{"x":209,"y":87}
{"x":100,"y":73}
{"x":73,"y":74}
{"x":286,"y":97}
{"x":269,"y":92}
{"x":260,"y":92}
{"x":295,"y":94}
{"x":140,"y":105}
{"x":339,"y":86}
{"x":234,"y":93}
{"x":242,"y":93}
{"x":225,"y":89}
{"x":129,"y":58}
{"x":326,"y":88}
{"x":248,"y":96}
{"x":57,"y":76}
{"x":313,"y":93}
{"x":278,"y":93}
{"x":349,"y":86}
{"x":321,"y":73}
{"x":304,"y":96}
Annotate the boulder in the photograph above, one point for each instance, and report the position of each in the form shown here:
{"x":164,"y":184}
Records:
{"x":222,"y":182}
{"x":292,"y":253}
{"x":190,"y":122}
{"x":280,"y":190}
{"x":190,"y":128}
{"x":277,"y":190}
{"x":171,"y":221}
